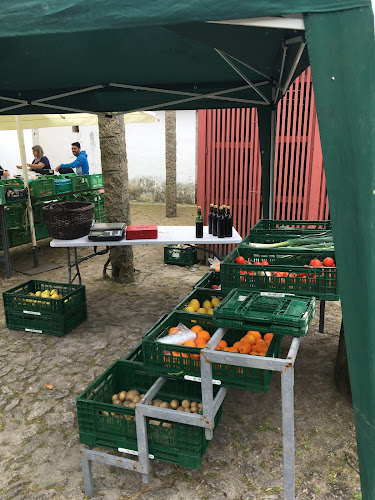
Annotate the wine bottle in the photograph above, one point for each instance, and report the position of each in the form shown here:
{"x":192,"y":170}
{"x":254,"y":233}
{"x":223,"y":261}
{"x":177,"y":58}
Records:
{"x":221,"y":224}
{"x":214,"y":221}
{"x":228,"y":224}
{"x":199,"y":224}
{"x":210,"y":217}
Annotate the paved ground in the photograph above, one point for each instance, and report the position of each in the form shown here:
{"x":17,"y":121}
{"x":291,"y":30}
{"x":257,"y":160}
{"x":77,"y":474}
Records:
{"x":39,"y":444}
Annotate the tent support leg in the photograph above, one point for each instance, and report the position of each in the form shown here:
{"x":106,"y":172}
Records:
{"x":36,"y":256}
{"x":4,"y":236}
{"x":272,"y":161}
{"x":322,"y":310}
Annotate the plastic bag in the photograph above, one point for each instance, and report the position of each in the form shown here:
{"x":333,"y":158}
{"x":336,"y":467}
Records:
{"x":214,"y":264}
{"x":181,"y":335}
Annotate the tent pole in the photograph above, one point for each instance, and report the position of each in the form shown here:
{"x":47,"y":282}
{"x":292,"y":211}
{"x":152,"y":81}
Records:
{"x":21,"y":145}
{"x":272,"y":161}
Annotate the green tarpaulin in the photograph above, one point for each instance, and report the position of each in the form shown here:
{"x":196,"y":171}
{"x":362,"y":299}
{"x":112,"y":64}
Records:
{"x":111,"y":56}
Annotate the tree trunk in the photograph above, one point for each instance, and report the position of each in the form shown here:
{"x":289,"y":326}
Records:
{"x":342,"y":369}
{"x":116,"y":185}
{"x":170,"y":164}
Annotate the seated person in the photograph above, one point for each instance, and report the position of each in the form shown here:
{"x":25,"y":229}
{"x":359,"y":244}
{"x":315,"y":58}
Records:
{"x":80,"y":164}
{"x":40,"y":163}
{"x":4,"y":174}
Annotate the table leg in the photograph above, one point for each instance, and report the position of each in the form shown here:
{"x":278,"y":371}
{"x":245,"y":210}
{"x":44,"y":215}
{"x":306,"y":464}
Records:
{"x":88,"y":482}
{"x":4,"y":235}
{"x":322,"y":310}
{"x":69,"y":266}
{"x":142,"y":441}
{"x":287,"y":405}
{"x":76,"y":265}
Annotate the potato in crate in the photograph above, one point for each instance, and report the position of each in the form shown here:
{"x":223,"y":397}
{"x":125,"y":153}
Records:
{"x":106,"y":415}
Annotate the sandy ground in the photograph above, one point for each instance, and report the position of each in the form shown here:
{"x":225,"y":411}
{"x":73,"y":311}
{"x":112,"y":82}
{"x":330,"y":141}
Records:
{"x":39,"y":444}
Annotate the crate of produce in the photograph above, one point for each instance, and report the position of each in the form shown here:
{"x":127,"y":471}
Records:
{"x":209,"y":280}
{"x":180,"y":360}
{"x":19,"y":236}
{"x":269,"y":231}
{"x":79,"y":182}
{"x":286,"y":314}
{"x":63,"y":186}
{"x":41,"y":187}
{"x":95,"y":181}
{"x":12,"y":192}
{"x":283,"y":270}
{"x":41,"y":231}
{"x":45,"y":306}
{"x":107,"y":425}
{"x":181,"y":255}
{"x":15,"y":215}
{"x":18,"y":182}
{"x":200,"y":302}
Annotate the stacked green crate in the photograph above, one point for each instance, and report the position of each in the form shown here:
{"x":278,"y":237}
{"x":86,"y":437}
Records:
{"x":25,"y":310}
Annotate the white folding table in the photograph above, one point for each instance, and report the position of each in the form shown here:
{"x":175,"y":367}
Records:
{"x":167,"y":235}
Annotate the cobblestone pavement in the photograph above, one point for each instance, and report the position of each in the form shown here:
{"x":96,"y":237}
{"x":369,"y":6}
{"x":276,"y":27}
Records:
{"x":39,"y":443}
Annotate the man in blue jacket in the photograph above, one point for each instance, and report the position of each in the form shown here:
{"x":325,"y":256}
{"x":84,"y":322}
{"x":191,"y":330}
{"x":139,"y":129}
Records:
{"x":80,"y":164}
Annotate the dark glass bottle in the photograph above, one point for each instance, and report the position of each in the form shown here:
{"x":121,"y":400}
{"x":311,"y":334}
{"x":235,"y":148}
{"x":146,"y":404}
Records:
{"x":199,"y":224}
{"x":210,"y":218}
{"x":214,"y":221}
{"x":221,"y":224}
{"x":228,"y":224}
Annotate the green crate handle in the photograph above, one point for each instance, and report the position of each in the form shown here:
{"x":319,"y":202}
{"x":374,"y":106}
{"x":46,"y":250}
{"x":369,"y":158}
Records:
{"x":160,"y":320}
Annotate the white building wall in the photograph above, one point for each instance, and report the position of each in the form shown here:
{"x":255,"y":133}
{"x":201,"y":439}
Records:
{"x":145,"y":147}
{"x":9,"y":150}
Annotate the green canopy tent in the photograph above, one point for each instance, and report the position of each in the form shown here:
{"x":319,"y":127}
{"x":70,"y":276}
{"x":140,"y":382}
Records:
{"x":101,"y":56}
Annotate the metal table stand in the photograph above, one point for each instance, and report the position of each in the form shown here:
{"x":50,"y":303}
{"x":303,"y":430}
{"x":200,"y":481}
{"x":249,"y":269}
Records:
{"x":77,"y":261}
{"x":210,"y":407}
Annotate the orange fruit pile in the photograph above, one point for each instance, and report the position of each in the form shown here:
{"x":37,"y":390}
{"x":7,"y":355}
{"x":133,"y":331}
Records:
{"x":252,"y":343}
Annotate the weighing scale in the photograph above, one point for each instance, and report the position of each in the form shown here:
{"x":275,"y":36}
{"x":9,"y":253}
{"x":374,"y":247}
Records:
{"x":101,"y":231}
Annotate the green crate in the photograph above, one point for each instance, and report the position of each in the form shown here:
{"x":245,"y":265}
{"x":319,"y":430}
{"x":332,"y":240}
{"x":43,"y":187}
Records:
{"x":95,"y":181}
{"x":41,"y":231}
{"x":136,"y":354}
{"x":42,"y":187}
{"x":270,"y":231}
{"x":178,"y":361}
{"x":18,"y":236}
{"x":209,"y":279}
{"x":286,"y":272}
{"x":15,"y":215}
{"x":79,"y":182}
{"x":17,"y":299}
{"x":103,"y":424}
{"x":12,"y":182}
{"x":12,"y":193}
{"x":281,"y":313}
{"x":63,"y":186}
{"x":181,"y":255}
{"x":201,"y":295}
{"x":51,"y":325}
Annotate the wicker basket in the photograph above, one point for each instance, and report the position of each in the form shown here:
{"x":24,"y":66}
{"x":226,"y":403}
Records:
{"x":69,"y":220}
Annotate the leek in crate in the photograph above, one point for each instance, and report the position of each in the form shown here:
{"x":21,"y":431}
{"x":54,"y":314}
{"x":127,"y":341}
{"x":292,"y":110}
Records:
{"x":106,"y":415}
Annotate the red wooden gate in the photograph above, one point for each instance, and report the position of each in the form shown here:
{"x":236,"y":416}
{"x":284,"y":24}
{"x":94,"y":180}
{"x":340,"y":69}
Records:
{"x":229,"y":169}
